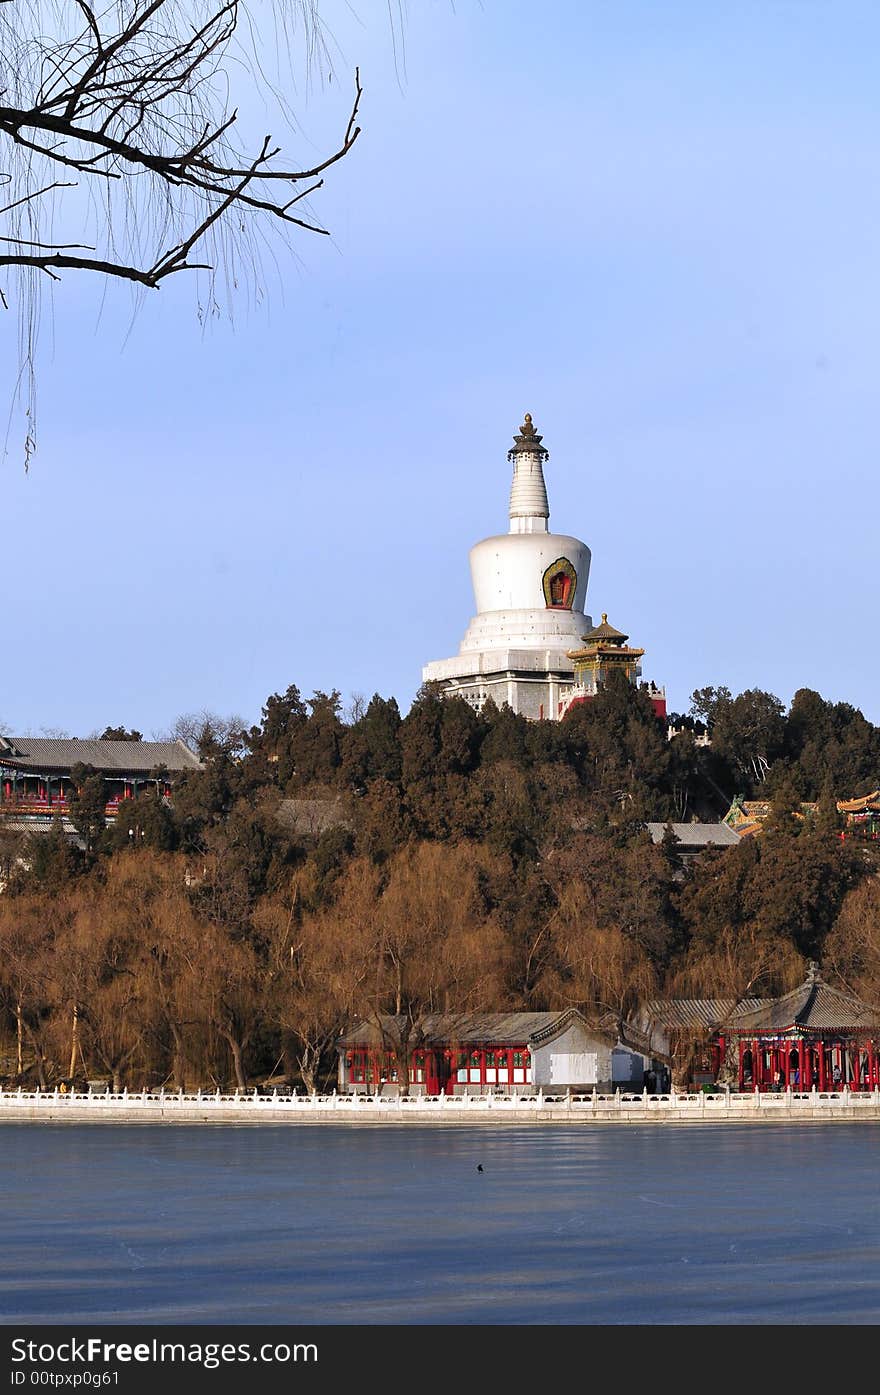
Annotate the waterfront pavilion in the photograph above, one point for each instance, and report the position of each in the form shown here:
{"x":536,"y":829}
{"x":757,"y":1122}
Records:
{"x":814,"y":1037}
{"x":481,"y":1053}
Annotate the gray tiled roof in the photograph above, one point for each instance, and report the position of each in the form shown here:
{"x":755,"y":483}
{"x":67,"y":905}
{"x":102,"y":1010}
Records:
{"x":513,"y":1028}
{"x":814,"y":1004}
{"x":494,"y":1028}
{"x":697,"y":1013}
{"x":36,"y":754}
{"x":696,"y":834}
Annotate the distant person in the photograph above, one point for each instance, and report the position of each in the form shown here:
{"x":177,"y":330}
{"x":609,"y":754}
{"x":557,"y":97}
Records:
{"x":776,"y":1087}
{"x":836,"y":1076}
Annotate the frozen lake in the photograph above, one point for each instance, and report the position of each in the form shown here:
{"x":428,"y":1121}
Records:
{"x":589,"y":1224}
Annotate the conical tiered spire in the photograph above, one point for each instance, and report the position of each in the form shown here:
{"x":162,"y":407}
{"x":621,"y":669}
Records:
{"x":529,"y":509}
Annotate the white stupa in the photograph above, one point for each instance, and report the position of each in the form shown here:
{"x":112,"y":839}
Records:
{"x":530,"y":588}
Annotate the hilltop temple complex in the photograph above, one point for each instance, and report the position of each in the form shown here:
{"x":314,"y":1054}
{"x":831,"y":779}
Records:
{"x":531,"y":643}
{"x":859,"y":818}
{"x":36,"y":782}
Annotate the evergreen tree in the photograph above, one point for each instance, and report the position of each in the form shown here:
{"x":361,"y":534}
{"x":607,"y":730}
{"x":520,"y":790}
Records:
{"x":87,"y":805}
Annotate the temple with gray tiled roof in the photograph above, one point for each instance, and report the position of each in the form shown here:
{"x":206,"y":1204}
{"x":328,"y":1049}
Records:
{"x":480,"y":1052}
{"x":35,"y":772}
{"x":692,"y":839}
{"x":814,"y":1037}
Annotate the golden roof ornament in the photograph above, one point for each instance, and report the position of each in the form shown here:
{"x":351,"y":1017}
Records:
{"x":528,"y":441}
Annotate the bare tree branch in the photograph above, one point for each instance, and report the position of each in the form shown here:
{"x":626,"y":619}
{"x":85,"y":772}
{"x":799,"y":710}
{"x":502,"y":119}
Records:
{"x":135,"y":94}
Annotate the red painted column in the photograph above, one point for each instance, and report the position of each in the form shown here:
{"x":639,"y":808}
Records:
{"x":857,"y":1065}
{"x":757,"y":1064}
{"x":872,"y":1066}
{"x":741,"y":1051}
{"x":802,"y":1064}
{"x":823,"y":1078}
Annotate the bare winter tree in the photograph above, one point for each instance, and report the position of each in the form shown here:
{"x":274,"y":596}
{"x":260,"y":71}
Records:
{"x":122,"y":148}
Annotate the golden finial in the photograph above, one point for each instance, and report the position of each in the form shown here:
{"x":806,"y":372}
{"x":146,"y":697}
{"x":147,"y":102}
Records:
{"x":528,"y":440}
{"x":604,"y":617}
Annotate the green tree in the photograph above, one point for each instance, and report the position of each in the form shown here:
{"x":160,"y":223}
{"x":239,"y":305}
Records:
{"x":748,"y":733}
{"x":371,"y":746}
{"x":315,"y":745}
{"x":144,"y":822}
{"x":619,"y":746}
{"x":284,"y":715}
{"x":87,"y":804}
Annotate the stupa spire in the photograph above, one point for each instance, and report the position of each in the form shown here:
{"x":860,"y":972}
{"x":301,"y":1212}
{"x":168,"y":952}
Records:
{"x":529,"y":509}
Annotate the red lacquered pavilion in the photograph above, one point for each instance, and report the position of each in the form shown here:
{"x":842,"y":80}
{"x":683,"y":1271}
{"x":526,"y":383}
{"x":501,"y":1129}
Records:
{"x":815,"y":1037}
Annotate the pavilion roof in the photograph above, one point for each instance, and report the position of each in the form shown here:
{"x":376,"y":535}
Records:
{"x":866,"y":804}
{"x":695,"y":834}
{"x":604,"y":631}
{"x":490,"y":1028}
{"x":697,"y":1013}
{"x":33,"y":755}
{"x":814,"y":1005}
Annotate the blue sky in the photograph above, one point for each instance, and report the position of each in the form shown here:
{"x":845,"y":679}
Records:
{"x":653,"y":227}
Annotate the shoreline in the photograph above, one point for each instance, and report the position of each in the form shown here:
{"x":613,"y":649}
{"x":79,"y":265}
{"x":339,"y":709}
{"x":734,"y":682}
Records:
{"x":53,"y":1107}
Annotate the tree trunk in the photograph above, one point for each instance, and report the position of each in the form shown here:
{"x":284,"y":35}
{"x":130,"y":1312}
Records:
{"x":306,"y":1065}
{"x":236,"y":1047}
{"x":39,"y":1058}
{"x":74,"y":1041}
{"x":177,"y":1056}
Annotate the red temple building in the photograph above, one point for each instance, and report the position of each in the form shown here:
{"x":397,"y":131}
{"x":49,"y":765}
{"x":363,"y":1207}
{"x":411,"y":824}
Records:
{"x":35,"y":772}
{"x":815,"y":1037}
{"x":479,"y":1053}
